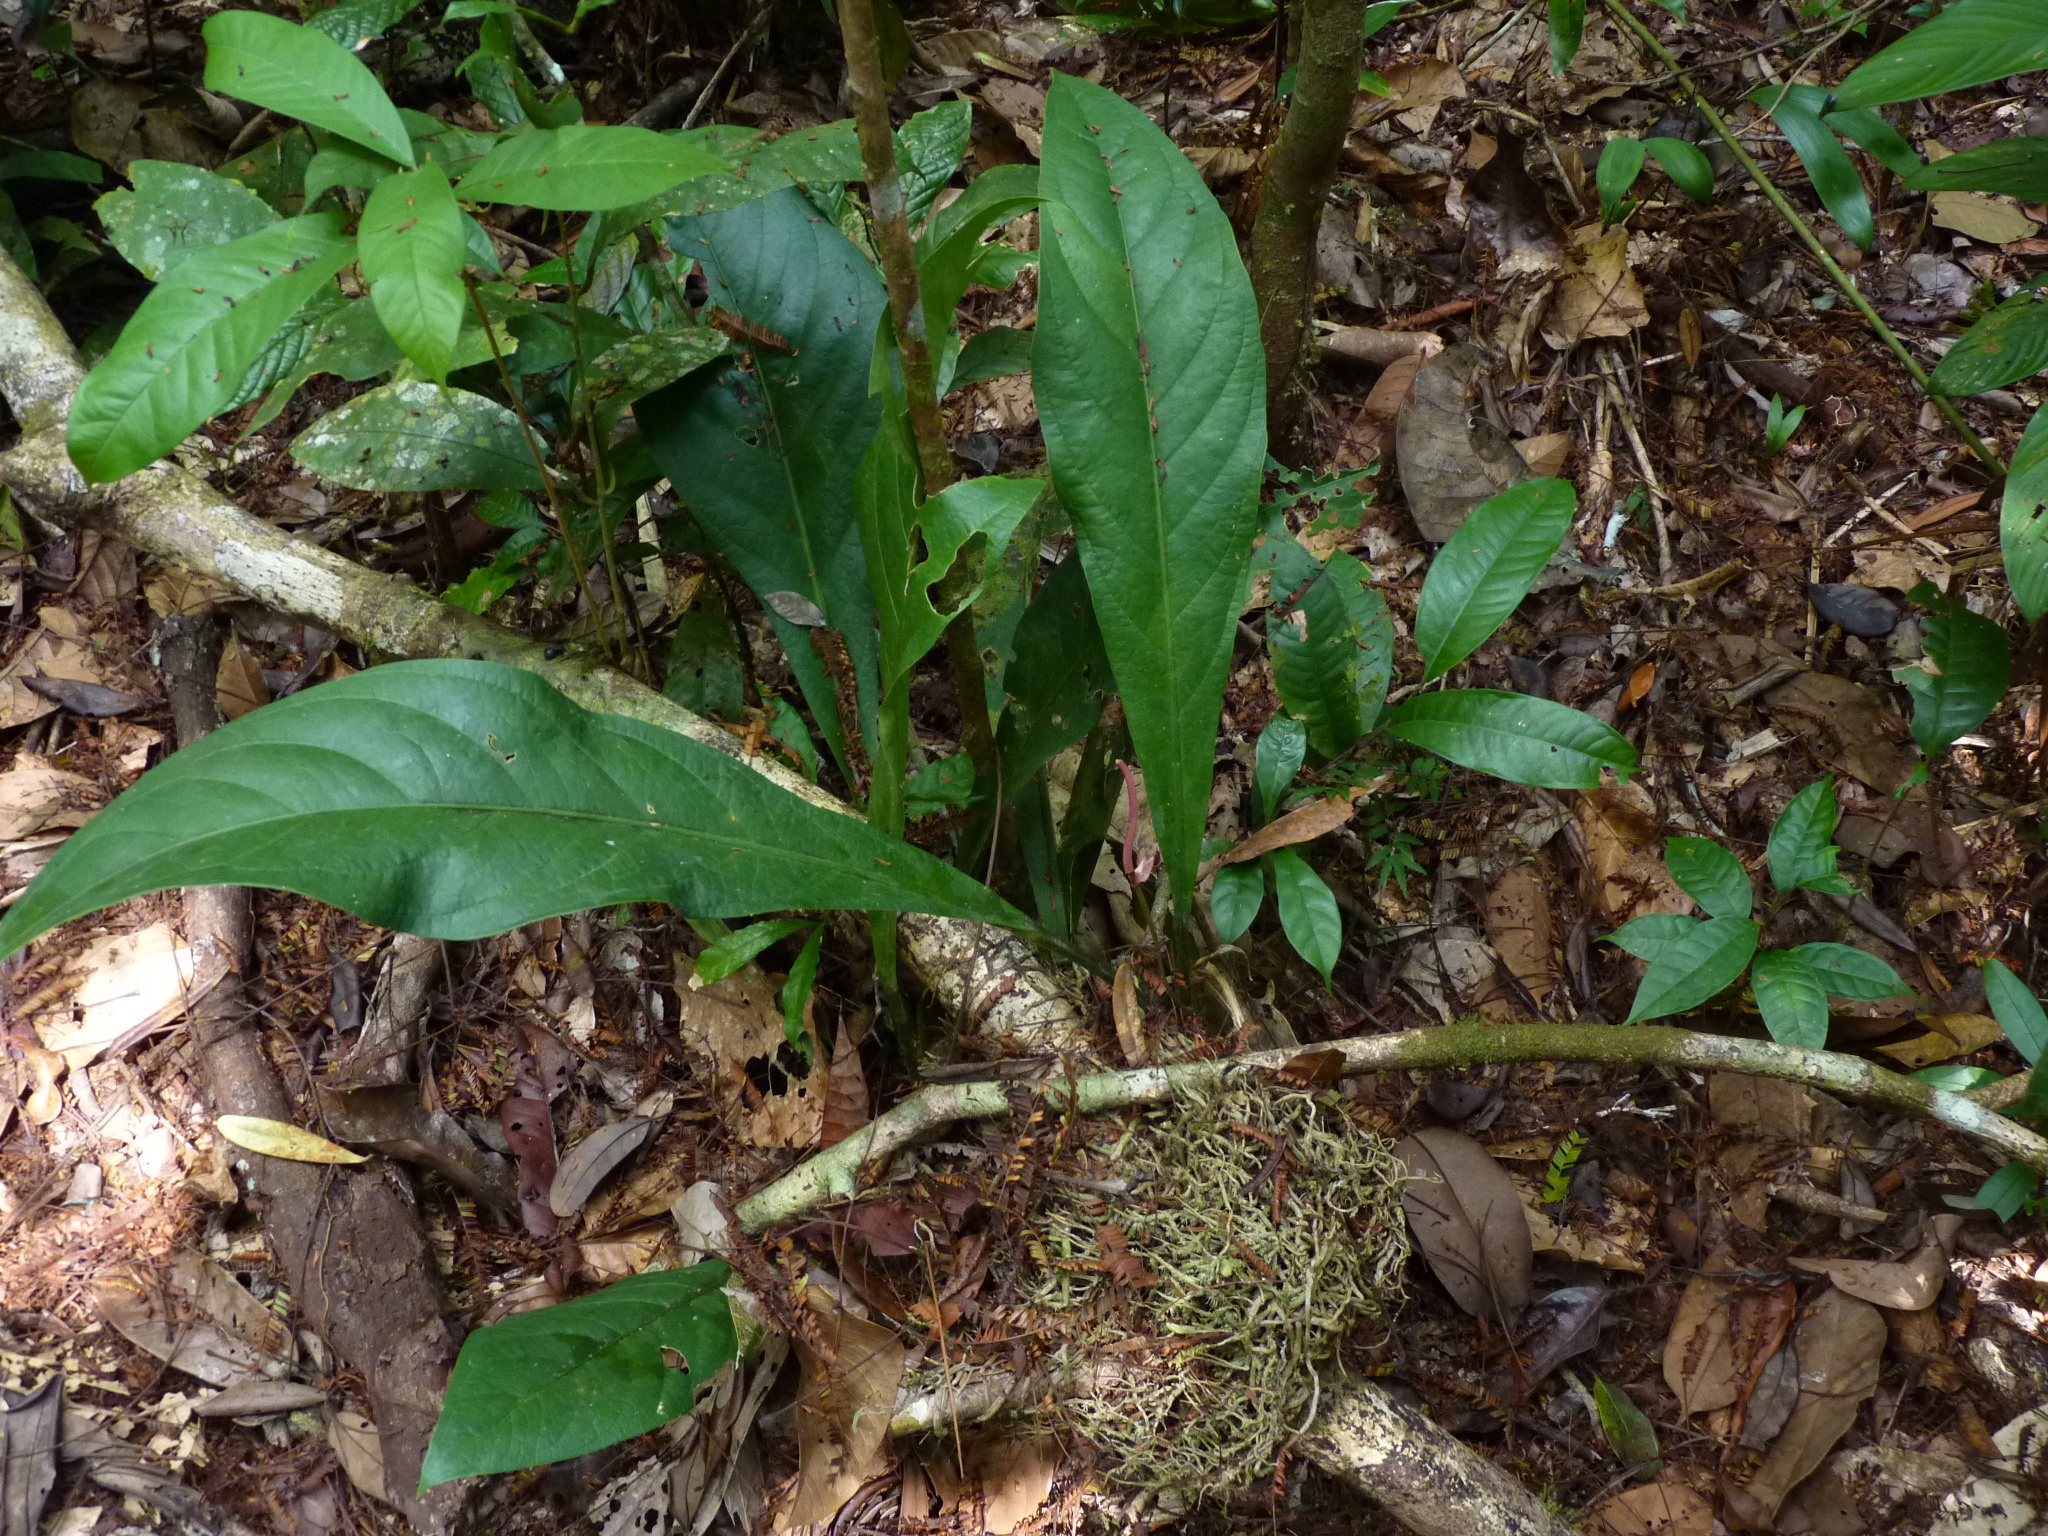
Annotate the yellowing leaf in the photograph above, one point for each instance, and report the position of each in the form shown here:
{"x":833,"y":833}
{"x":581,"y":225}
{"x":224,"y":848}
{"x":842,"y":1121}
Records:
{"x":274,"y":1138}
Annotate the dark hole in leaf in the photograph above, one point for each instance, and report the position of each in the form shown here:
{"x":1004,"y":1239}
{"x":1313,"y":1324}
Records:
{"x":768,"y":1079}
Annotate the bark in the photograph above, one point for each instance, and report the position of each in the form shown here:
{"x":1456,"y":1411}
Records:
{"x":1292,"y":195}
{"x":174,"y":516}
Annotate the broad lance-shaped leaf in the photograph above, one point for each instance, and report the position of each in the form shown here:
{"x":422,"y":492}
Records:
{"x":1710,"y":875}
{"x":583,"y":168}
{"x":417,"y":436}
{"x":1802,"y":849}
{"x":1056,"y":681}
{"x":1792,"y":999}
{"x":1693,"y":967}
{"x":458,"y":799}
{"x":2018,"y":1011}
{"x":183,"y":354}
{"x":299,"y":72}
{"x":767,"y":455}
{"x":1513,"y":737}
{"x":550,"y":1385}
{"x":412,"y":248}
{"x":1487,"y":567}
{"x":1621,"y":162}
{"x":1333,"y":655}
{"x":2009,"y":344}
{"x":1834,"y":176}
{"x":1974,"y":668}
{"x":1849,"y":972}
{"x":1149,"y":380}
{"x":2022,"y":525}
{"x":1967,"y":44}
{"x":2014,"y":167}
{"x":175,"y":210}
{"x":1308,"y":912}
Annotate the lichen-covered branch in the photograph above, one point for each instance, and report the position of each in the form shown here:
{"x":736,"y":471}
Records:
{"x":836,"y":1174}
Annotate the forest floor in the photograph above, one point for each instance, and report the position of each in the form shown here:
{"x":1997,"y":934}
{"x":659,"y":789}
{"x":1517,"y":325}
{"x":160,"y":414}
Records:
{"x":1695,"y":1262}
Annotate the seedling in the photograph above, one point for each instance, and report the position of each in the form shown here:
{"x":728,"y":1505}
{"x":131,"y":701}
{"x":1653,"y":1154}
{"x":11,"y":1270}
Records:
{"x":1780,"y":425}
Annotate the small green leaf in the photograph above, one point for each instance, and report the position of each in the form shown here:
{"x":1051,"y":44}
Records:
{"x":1513,"y":737}
{"x":937,"y":787}
{"x":1621,"y":162}
{"x":2006,"y":1191}
{"x":547,"y":1386}
{"x":174,"y":210}
{"x":2007,"y":345}
{"x":1793,"y":999}
{"x":1834,"y":176}
{"x":1967,"y":44}
{"x":2017,"y":1010}
{"x":724,"y":956}
{"x":1710,"y":875}
{"x":1567,"y":27}
{"x":1380,"y":14}
{"x":1849,"y":972}
{"x":1630,"y":1434}
{"x":1487,"y":568}
{"x":796,"y":994}
{"x":929,"y":149}
{"x":1954,"y":1079}
{"x":301,"y":72}
{"x":2022,"y":529}
{"x":1557,"y":1178}
{"x":1235,"y":898}
{"x":1695,"y":967}
{"x":1333,"y":655}
{"x":1653,"y":934}
{"x":584,"y":169}
{"x":412,"y":248}
{"x":417,"y":436}
{"x":1974,"y":670}
{"x":1687,"y":166}
{"x":999,"y":352}
{"x":1282,"y":746}
{"x":1308,"y":912}
{"x":49,"y":165}
{"x":1802,"y":850}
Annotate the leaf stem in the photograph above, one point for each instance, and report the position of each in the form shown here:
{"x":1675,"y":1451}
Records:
{"x":1807,"y":237}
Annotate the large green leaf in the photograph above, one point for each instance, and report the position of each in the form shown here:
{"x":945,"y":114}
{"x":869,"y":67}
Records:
{"x":755,"y":166}
{"x":1710,"y":875}
{"x":1973,"y":670}
{"x":2015,"y":167}
{"x":2007,"y":345}
{"x":1621,"y":162}
{"x":356,"y":21}
{"x":1567,"y":28}
{"x":1849,"y":972}
{"x":175,"y":210}
{"x":416,"y":436}
{"x":1835,"y":179}
{"x":1694,"y":967}
{"x":183,"y":354}
{"x":1513,"y":737}
{"x":584,"y":169}
{"x":1308,"y":912}
{"x":766,"y":455}
{"x":412,"y":248}
{"x":1333,"y":655}
{"x":546,"y":1386}
{"x":2017,"y":1010}
{"x":2022,"y":528}
{"x":1802,"y":850}
{"x":1487,"y":568}
{"x":952,"y":245}
{"x":1057,"y":679}
{"x":300,"y":72}
{"x":1149,"y":379}
{"x":1967,"y":44}
{"x":649,"y":360}
{"x":458,"y":799}
{"x":1792,"y":998}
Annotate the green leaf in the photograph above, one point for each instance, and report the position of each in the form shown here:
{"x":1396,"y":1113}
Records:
{"x":49,"y":165}
{"x":547,"y":1386}
{"x":755,"y":166}
{"x":183,"y":354}
{"x":929,"y":149}
{"x":417,"y":436}
{"x":1867,"y":130}
{"x":1847,"y":971}
{"x":1630,"y":1434}
{"x":1802,"y":850}
{"x":704,"y":671}
{"x":2007,"y":1190}
{"x":2017,"y":1010}
{"x":2014,"y":167}
{"x":584,"y":169}
{"x":649,"y":360}
{"x":1567,"y":27}
{"x":724,"y":956}
{"x":457,"y":799}
{"x":1308,"y":912}
{"x":995,"y":353}
{"x":1967,"y":44}
{"x":2022,"y":529}
{"x":1557,"y":1178}
{"x":1694,"y":967}
{"x":1954,"y":1079}
{"x":342,"y":164}
{"x":1333,"y":655}
{"x":1513,"y":737}
{"x":1975,"y":670}
{"x":1710,"y":875}
{"x":1687,"y":166}
{"x":2007,"y":345}
{"x":1834,"y":176}
{"x":1150,"y":379}
{"x":301,"y":72}
{"x":412,"y":249}
{"x":1652,"y":934}
{"x":357,"y":21}
{"x":945,"y":785}
{"x":768,"y":455}
{"x":175,"y":210}
{"x":1487,"y":568}
{"x":796,"y":994}
{"x":952,"y":249}
{"x":1235,"y":898}
{"x":1282,"y":745}
{"x":1621,"y":162}
{"x":1380,"y":14}
{"x":1057,"y":679}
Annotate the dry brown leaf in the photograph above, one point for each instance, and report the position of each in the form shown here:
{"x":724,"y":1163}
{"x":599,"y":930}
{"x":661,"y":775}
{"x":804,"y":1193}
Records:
{"x":1467,"y":1221}
{"x":35,"y":798}
{"x":587,"y":1164}
{"x":1655,"y":1509}
{"x":1908,"y":1285}
{"x":1640,"y":682}
{"x":1625,"y":848}
{"x":1021,"y":106}
{"x":1981,"y":216}
{"x":1840,"y":1343}
{"x":62,"y":649}
{"x":846,"y":1089}
{"x":1016,"y":1479}
{"x":1301,"y":825}
{"x":202,"y":1322}
{"x":1118,"y":1262}
{"x":1616,"y":1241}
{"x":1129,"y":1014}
{"x":1761,"y":1106}
{"x":240,"y":685}
{"x":1420,"y":88}
{"x":1849,"y":726}
{"x":360,"y":1450}
{"x":619,"y":1254}
{"x":1391,"y":389}
{"x":1949,"y":1035}
{"x":1450,"y":456}
{"x":1219,"y":164}
{"x":1600,"y":295}
{"x":1699,"y":1352}
{"x":172,"y":591}
{"x":1517,"y":913}
{"x":46,"y":1075}
{"x":842,"y":1411}
{"x":1546,"y":453}
{"x":134,"y":984}
{"x":775,"y":1097}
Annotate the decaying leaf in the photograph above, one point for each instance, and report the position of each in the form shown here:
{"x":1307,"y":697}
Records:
{"x":1303,"y":824}
{"x":240,"y":685}
{"x":1655,"y":1509}
{"x":34,"y":798}
{"x":1129,"y":1014}
{"x":1948,"y":1035}
{"x":846,"y":1090}
{"x":1600,"y":295}
{"x":591,"y":1160}
{"x":133,"y":984}
{"x":776,"y":1098}
{"x":277,"y":1138}
{"x":843,"y":1408}
{"x":1840,"y":1344}
{"x":360,"y":1450}
{"x":46,"y":1074}
{"x":1761,"y":1106}
{"x":1467,"y":1221}
{"x":1118,"y":1262}
{"x":1848,"y":725}
{"x":1625,"y":848}
{"x":1907,"y":1285}
{"x":1517,"y":913}
{"x":1420,"y":88}
{"x":199,"y":1320}
{"x":1451,"y":457}
{"x":29,"y":1422}
{"x":1699,"y":1355}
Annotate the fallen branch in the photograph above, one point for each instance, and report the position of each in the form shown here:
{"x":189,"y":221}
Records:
{"x":836,"y":1174}
{"x":990,"y":973}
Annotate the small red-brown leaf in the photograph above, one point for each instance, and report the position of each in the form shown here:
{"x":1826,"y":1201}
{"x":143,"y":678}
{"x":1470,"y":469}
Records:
{"x":1640,"y":682}
{"x":1118,"y":1262}
{"x":888,"y":1227}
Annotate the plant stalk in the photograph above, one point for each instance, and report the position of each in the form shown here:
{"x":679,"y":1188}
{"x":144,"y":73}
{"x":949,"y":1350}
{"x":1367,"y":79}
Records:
{"x":1808,"y":238}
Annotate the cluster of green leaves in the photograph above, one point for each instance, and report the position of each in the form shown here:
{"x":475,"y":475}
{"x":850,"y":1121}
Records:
{"x":1780,"y":425}
{"x":2019,"y":1013}
{"x":1621,"y":162}
{"x":68,"y":244}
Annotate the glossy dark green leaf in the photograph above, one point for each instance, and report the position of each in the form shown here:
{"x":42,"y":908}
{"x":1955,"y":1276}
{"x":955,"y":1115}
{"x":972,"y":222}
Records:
{"x":2017,"y":1010}
{"x":1974,"y":668}
{"x":1150,"y":379}
{"x":1513,"y":737}
{"x":1849,"y":972}
{"x":412,"y":247}
{"x":417,"y":436}
{"x":550,"y":1385}
{"x":2022,"y":527}
{"x":2007,"y":345}
{"x":175,"y":210}
{"x":1567,"y":28}
{"x":722,"y":957}
{"x":1792,"y":998}
{"x":1967,"y":44}
{"x":584,"y":169}
{"x":1686,"y":164}
{"x":1235,"y":898}
{"x":1277,"y":759}
{"x":1867,"y":130}
{"x":1802,"y":850}
{"x":1835,"y":179}
{"x":953,"y":247}
{"x":1333,"y":655}
{"x":301,"y":72}
{"x":357,"y":21}
{"x":183,"y":354}
{"x":24,"y":164}
{"x":1057,"y":679}
{"x":929,"y":149}
{"x":1710,"y":875}
{"x":1694,"y":967}
{"x":1650,"y":935}
{"x":1308,"y":912}
{"x":797,"y":987}
{"x":1621,"y":162}
{"x":458,"y":799}
{"x":1482,"y":574}
{"x":2013,"y":167}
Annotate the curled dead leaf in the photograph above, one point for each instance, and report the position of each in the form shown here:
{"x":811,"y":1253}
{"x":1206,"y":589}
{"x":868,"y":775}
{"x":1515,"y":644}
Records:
{"x":1301,"y":825}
